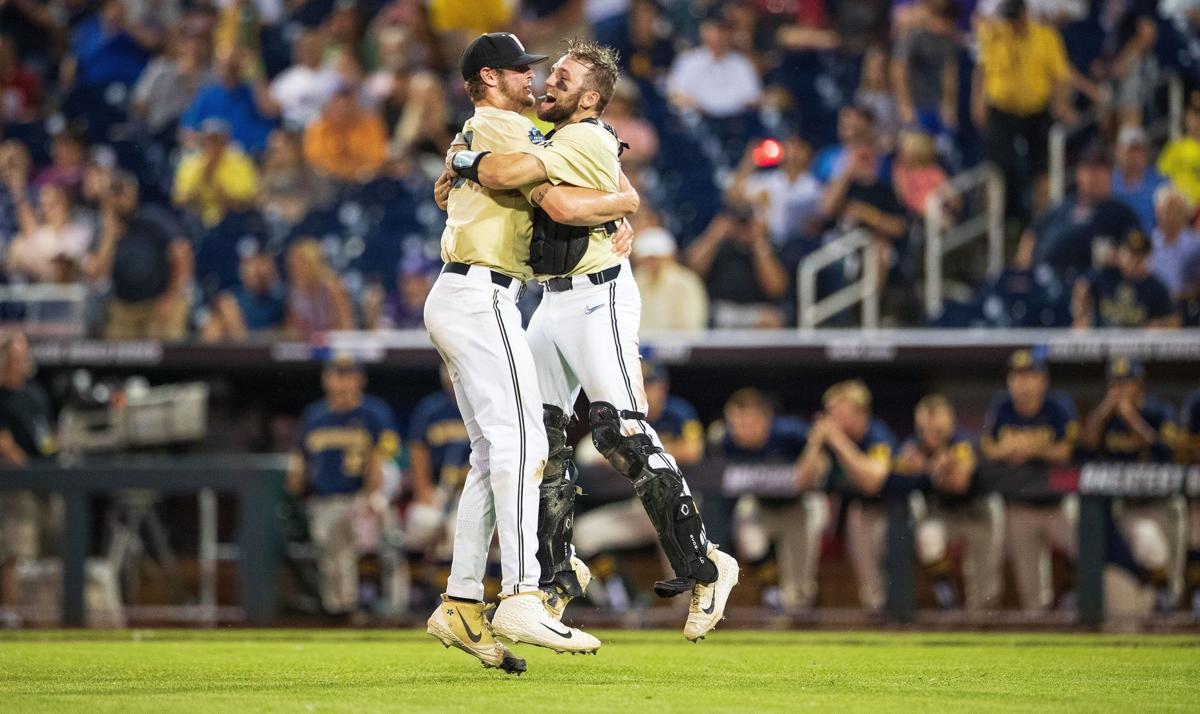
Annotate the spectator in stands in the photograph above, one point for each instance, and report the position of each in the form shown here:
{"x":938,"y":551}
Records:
{"x":1134,"y":180}
{"x":20,"y":90}
{"x":106,"y":49}
{"x":1180,"y":158}
{"x":240,"y":97}
{"x":170,"y":83}
{"x":623,"y":525}
{"x":347,"y":143}
{"x":147,"y":261}
{"x":1087,"y":223}
{"x":405,"y":308}
{"x":1022,"y":74}
{"x":714,"y":79}
{"x":14,"y":167}
{"x":876,"y":94}
{"x":1131,"y":426}
{"x":254,"y":308}
{"x":302,"y":89}
{"x":1131,"y":65}
{"x":1175,"y":252}
{"x":67,"y":163}
{"x":673,"y":297}
{"x":417,"y":110}
{"x":955,"y":508}
{"x":855,"y":124}
{"x":32,"y":26}
{"x":916,"y":174}
{"x":317,"y":300}
{"x":217,"y":179}
{"x":52,"y":243}
{"x":337,"y":461}
{"x":925,"y":69}
{"x":741,"y":268}
{"x":754,"y":434}
{"x":1028,"y":426}
{"x":647,"y":52}
{"x":786,"y":196}
{"x":862,"y":197}
{"x":622,"y":115}
{"x":288,"y":187}
{"x":1127,"y":295}
{"x":850,"y":452}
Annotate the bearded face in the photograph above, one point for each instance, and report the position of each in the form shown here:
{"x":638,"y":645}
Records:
{"x":564,"y":89}
{"x":516,"y":85}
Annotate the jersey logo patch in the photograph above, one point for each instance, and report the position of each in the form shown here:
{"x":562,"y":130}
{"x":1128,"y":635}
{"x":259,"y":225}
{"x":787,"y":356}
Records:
{"x":536,"y":136}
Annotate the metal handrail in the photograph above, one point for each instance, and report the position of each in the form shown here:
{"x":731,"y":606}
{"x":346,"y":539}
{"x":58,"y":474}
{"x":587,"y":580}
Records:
{"x":939,"y":242}
{"x":1059,"y":133}
{"x":865,"y":290}
{"x":37,"y":296}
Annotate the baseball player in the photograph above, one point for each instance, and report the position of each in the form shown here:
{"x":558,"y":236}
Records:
{"x":1030,"y":424}
{"x":955,"y":508}
{"x":472,"y":317}
{"x":850,"y":451}
{"x":1132,"y":426}
{"x":585,"y":334}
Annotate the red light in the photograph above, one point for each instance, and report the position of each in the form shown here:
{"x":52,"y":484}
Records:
{"x":768,"y":153}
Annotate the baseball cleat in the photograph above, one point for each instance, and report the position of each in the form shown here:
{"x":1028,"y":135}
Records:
{"x":525,"y":617}
{"x":558,"y":600}
{"x":708,"y":599}
{"x":464,"y":625}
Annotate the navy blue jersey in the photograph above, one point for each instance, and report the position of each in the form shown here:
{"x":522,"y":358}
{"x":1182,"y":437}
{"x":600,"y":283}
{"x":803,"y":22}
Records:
{"x":1117,"y":442}
{"x":1189,"y":427}
{"x":1056,"y":421}
{"x":785,"y":444}
{"x":338,"y":446}
{"x":438,"y":425}
{"x":1119,"y":302}
{"x":962,"y":448}
{"x":678,"y":421}
{"x":878,"y":444}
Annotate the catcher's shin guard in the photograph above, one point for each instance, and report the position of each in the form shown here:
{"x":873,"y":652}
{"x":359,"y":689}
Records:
{"x":556,"y":506}
{"x":671,"y":509}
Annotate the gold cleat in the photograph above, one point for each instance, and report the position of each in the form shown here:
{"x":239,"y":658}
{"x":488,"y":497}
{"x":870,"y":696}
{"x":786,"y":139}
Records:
{"x":464,"y":625}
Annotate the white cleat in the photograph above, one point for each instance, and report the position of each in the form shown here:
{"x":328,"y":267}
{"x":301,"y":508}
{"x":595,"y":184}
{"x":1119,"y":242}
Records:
{"x":558,"y":600}
{"x":708,"y":599}
{"x":525,"y":617}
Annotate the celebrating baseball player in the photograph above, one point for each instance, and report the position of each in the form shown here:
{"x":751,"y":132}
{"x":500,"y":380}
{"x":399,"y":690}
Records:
{"x":585,"y":334}
{"x":473,"y":320}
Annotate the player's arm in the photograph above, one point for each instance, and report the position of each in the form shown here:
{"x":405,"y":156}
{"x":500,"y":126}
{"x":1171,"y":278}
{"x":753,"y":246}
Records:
{"x":420,"y":467}
{"x":295,"y":472}
{"x":498,"y":171}
{"x":577,"y":206}
{"x":813,"y":465}
{"x":1093,"y":429}
{"x":867,"y":471}
{"x":953,"y":468}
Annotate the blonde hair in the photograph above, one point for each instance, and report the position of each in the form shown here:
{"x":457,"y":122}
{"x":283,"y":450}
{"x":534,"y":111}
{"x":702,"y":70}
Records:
{"x":308,"y":251}
{"x":917,"y":147}
{"x":852,"y":390}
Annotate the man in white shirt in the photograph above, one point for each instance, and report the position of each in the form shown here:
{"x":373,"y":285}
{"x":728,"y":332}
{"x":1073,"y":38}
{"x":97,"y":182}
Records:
{"x":787,"y":197}
{"x":714,"y":78}
{"x":303,"y":89}
{"x":673,"y":297}
{"x":1175,"y":252}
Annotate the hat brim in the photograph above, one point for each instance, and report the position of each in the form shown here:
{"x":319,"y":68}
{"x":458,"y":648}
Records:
{"x":524,"y":59}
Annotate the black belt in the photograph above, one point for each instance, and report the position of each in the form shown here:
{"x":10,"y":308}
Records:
{"x":561,"y":285}
{"x":463,"y":268}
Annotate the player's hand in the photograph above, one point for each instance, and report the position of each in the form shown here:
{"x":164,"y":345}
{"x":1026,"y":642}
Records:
{"x":459,"y":144}
{"x":441,"y":189}
{"x":622,"y":240}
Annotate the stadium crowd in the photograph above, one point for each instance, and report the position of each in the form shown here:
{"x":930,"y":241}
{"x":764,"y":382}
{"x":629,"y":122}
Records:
{"x":222,"y":169}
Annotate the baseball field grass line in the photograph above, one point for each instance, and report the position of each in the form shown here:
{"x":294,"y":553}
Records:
{"x":376,"y":670}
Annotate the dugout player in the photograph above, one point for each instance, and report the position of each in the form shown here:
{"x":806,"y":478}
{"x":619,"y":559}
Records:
{"x":338,"y":462}
{"x":472,"y":317}
{"x":1188,"y":450}
{"x":754,"y":433}
{"x":850,"y":452}
{"x":954,"y":509}
{"x":585,"y":334}
{"x":1131,"y":426}
{"x":439,"y":453}
{"x":1029,"y":425}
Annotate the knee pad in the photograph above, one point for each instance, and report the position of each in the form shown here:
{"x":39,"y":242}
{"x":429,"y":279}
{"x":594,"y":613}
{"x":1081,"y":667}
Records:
{"x":558,"y":453}
{"x":629,"y":455}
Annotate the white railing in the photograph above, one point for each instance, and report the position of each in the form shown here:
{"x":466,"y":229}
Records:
{"x":865,"y":290}
{"x":1169,"y":127}
{"x":47,"y":310}
{"x":987,"y":223}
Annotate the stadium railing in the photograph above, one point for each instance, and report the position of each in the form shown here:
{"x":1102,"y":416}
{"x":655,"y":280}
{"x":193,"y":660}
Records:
{"x":865,"y":291}
{"x":44,"y":310}
{"x":987,"y":223}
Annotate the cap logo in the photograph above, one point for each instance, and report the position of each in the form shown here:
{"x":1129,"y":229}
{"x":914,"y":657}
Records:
{"x":515,"y":40}
{"x":1121,"y":366}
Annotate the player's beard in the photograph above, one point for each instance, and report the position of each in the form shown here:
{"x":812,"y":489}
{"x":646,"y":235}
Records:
{"x":518,"y":95}
{"x":561,"y":109}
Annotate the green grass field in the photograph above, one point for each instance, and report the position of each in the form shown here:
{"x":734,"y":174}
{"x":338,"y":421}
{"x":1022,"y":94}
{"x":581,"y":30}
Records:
{"x":285,"y":670}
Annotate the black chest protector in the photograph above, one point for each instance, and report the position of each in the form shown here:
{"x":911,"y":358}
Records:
{"x":556,"y":248}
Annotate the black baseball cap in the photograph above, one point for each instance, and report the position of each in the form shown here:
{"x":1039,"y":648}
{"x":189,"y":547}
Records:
{"x":1136,"y":241}
{"x":501,"y":50}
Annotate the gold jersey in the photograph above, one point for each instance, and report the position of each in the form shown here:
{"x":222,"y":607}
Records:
{"x":583,"y":154}
{"x":485,"y":226}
